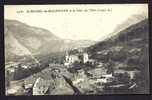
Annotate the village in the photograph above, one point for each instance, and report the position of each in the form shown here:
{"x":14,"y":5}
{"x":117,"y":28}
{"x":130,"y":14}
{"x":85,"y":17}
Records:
{"x":79,"y":74}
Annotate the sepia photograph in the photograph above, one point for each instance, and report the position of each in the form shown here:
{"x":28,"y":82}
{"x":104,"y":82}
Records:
{"x":76,"y":49}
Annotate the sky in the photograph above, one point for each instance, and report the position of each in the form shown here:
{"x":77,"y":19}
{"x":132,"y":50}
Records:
{"x":79,"y":22}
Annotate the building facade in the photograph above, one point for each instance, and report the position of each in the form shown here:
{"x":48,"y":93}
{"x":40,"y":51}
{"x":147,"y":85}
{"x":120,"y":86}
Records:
{"x":80,"y":57}
{"x":41,"y":86}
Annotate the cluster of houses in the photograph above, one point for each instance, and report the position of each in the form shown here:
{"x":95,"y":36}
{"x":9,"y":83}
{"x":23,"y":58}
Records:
{"x":42,"y":86}
{"x":54,"y":83}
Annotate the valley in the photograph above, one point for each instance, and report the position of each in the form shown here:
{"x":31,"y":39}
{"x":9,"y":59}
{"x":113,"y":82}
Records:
{"x":40,"y":63}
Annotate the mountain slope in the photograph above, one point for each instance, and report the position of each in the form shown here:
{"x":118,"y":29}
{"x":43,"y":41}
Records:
{"x":22,"y":40}
{"x":31,"y":37}
{"x":128,"y":50}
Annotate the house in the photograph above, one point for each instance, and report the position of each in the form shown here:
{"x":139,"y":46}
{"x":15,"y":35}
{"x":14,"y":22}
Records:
{"x":85,"y":57}
{"x":97,"y":72}
{"x":104,"y":79}
{"x":24,"y":66}
{"x":69,"y":59}
{"x":79,"y":57}
{"x":131,"y":74}
{"x":41,"y":86}
{"x":107,"y":75}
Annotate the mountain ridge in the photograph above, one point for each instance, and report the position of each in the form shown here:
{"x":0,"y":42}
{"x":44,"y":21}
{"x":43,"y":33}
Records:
{"x":34,"y":40}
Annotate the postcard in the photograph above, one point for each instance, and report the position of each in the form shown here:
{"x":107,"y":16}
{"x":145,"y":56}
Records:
{"x":76,"y":49}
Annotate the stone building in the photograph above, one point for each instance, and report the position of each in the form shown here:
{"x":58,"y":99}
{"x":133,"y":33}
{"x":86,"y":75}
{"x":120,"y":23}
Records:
{"x":41,"y":86}
{"x":85,"y":57}
{"x":79,"y":57}
{"x":97,"y":72}
{"x":131,"y":73}
{"x":69,"y":59}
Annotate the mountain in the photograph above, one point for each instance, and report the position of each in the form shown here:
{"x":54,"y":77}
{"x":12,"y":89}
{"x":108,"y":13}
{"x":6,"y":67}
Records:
{"x":130,"y":21}
{"x":134,"y":19}
{"x":75,"y":44}
{"x":134,"y":34}
{"x":30,"y":37}
{"x":23,"y":40}
{"x":127,"y":50}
